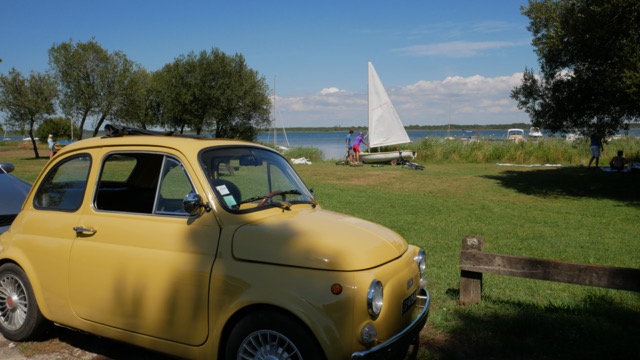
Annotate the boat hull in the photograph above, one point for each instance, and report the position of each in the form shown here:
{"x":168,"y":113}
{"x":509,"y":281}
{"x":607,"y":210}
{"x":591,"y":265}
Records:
{"x":387,"y":156}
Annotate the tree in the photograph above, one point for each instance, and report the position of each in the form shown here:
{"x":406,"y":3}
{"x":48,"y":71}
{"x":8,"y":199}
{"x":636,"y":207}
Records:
{"x":27,"y":101}
{"x":589,"y":55}
{"x":59,"y":127}
{"x":91,"y":81}
{"x":139,"y":107}
{"x":212,"y":91}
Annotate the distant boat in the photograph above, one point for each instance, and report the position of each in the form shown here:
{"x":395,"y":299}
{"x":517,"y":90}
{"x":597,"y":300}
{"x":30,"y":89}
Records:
{"x":535,"y":133}
{"x":27,"y":138}
{"x":385,"y":126}
{"x":571,"y":137}
{"x":515,"y":135}
{"x":470,"y":136}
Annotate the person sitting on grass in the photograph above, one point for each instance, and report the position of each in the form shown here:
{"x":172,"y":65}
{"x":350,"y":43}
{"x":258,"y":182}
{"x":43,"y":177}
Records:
{"x":618,"y":161}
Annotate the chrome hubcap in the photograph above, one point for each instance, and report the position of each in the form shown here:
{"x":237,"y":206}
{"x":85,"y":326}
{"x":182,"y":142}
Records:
{"x":13,"y":303}
{"x":268,"y":345}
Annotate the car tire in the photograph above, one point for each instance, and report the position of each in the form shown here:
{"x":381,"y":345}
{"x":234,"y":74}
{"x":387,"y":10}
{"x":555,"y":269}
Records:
{"x":271,"y":335}
{"x":20,"y":317}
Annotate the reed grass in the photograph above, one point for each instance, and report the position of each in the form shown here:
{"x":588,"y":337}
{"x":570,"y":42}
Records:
{"x":546,"y":151}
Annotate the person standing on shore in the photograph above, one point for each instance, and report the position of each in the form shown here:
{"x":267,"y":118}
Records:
{"x":51,"y":143}
{"x":596,"y":148}
{"x":356,"y":146}
{"x":348,"y":143}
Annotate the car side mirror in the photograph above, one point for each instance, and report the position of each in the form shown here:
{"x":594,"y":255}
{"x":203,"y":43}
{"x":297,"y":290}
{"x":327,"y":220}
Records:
{"x":192,"y":204}
{"x":6,"y":167}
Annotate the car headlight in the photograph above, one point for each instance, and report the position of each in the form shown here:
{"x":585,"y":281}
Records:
{"x":374,"y":299}
{"x":421,"y":261}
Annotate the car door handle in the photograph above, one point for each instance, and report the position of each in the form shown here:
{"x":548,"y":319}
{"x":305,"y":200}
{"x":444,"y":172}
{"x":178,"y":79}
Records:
{"x":84,"y":230}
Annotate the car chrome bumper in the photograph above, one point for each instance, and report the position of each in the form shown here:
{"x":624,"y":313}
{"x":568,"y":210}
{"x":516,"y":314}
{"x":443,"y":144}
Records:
{"x":397,"y":347}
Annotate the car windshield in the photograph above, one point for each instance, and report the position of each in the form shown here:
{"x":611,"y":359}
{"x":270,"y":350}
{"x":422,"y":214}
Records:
{"x":252,"y":179}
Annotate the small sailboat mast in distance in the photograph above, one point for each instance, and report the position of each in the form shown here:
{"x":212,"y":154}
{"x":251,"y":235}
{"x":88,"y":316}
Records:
{"x":280,"y":148}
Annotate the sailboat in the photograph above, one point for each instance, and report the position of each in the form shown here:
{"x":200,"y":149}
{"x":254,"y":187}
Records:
{"x":385,"y":126}
{"x":280,"y":148}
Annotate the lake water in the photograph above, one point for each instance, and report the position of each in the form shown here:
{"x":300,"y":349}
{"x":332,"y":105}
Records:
{"x":332,"y":143}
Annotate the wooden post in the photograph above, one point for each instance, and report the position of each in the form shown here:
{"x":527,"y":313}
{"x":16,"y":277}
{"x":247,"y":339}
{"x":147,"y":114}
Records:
{"x":471,"y":281}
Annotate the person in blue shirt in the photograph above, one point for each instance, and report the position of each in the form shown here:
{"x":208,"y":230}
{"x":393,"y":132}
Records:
{"x":596,"y":148}
{"x":349,"y":148}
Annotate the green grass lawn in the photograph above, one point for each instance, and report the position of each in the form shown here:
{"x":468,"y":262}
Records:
{"x":575,"y":214}
{"x":570,"y":213}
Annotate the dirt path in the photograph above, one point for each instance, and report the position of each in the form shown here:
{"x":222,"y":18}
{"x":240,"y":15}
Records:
{"x":64,"y":344}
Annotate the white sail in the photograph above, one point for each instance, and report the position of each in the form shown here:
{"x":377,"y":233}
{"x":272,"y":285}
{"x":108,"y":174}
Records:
{"x":385,"y":126}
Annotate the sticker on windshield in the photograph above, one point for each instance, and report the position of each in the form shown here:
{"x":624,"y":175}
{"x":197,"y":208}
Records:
{"x":222,"y":189}
{"x":230,"y":200}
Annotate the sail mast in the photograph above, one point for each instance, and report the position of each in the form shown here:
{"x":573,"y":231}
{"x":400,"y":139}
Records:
{"x":273,"y":115}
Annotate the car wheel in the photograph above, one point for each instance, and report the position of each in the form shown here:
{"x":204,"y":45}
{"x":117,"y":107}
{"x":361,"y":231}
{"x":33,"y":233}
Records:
{"x":271,"y":336}
{"x":20,"y":317}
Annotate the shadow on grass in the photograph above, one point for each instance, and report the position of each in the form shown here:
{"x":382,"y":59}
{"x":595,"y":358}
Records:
{"x":596,"y":329}
{"x":578,"y":182}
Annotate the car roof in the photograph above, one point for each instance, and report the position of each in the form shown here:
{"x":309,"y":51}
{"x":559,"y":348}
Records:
{"x":185,"y":143}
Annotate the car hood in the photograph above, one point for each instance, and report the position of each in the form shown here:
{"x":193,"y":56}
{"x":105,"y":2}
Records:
{"x":317,"y":239}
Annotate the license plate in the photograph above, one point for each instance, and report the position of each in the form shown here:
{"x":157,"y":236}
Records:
{"x":409,"y":301}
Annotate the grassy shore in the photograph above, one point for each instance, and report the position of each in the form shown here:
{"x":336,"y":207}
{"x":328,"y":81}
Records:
{"x":547,"y":151}
{"x":569,"y":213}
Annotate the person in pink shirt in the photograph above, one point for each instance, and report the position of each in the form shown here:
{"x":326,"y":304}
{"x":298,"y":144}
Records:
{"x":356,"y":146}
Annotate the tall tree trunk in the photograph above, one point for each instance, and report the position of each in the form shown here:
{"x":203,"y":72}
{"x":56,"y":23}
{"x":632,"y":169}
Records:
{"x":33,"y":143}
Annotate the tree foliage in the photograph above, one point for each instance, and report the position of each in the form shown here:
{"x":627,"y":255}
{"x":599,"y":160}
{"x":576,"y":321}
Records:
{"x":92,"y":81}
{"x":589,"y":55}
{"x":208,"y":91}
{"x":27,"y":101}
{"x":212,"y":91}
{"x":61,"y":128}
{"x":139,"y":106}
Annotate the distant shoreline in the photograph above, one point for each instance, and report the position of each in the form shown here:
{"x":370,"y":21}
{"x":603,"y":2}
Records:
{"x":410,"y":127}
{"x":418,"y":127}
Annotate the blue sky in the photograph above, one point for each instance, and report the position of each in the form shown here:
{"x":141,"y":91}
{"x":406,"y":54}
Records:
{"x":440,"y":62}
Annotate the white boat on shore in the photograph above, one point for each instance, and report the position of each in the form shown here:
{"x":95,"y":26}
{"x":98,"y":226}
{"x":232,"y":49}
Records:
{"x":515,"y":135}
{"x":385,"y":126}
{"x":535,"y":133}
{"x":387,"y":156}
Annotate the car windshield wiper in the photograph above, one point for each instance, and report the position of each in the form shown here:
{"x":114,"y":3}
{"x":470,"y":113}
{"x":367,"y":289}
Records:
{"x":267,"y":199}
{"x":311,"y":200}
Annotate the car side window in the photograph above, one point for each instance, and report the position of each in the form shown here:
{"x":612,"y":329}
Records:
{"x":144,"y":183}
{"x":174,"y":187}
{"x":64,"y":186}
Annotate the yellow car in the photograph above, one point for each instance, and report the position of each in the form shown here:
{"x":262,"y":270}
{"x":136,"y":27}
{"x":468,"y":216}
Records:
{"x":204,"y":248}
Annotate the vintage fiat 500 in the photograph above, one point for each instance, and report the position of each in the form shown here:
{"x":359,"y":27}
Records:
{"x":204,"y":248}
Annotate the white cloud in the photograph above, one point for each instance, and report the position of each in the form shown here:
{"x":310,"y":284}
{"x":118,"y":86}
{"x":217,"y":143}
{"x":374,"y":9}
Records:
{"x":461,"y":100}
{"x":331,"y":90}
